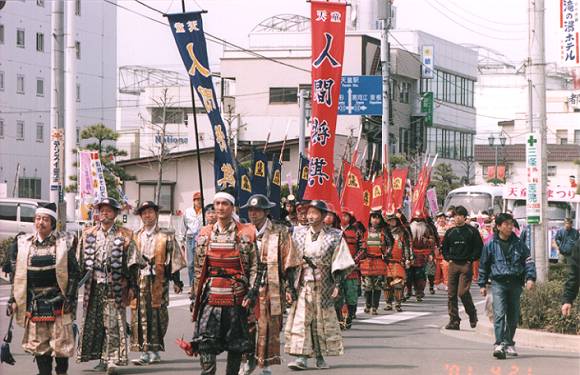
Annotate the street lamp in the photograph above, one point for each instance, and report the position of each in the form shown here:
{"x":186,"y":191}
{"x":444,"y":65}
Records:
{"x":491,"y":140}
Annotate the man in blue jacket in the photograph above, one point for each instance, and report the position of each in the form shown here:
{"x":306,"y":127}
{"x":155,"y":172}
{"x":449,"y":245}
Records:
{"x":506,"y":260}
{"x":565,"y":239}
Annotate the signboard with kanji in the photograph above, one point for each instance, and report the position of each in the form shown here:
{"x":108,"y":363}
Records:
{"x":554,"y":193}
{"x":534,"y":181}
{"x":427,"y":63}
{"x":360,"y":95}
{"x":568,"y":33}
{"x":427,"y":108}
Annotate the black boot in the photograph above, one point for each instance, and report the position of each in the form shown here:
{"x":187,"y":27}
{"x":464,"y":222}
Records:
{"x":350,"y":317}
{"x":368,"y":302}
{"x":376,"y":299}
{"x":61,"y":365}
{"x":233,"y":363}
{"x":339,"y":317}
{"x":44,"y":363}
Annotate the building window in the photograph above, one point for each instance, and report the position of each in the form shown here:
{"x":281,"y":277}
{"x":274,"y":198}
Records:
{"x":449,"y":88}
{"x":404,"y":92}
{"x":29,"y":188}
{"x":1,"y":128}
{"x":20,"y":38}
{"x":172,"y":115}
{"x":577,"y":137}
{"x":40,"y":132}
{"x":40,"y":42}
{"x":19,"y":130}
{"x":78,"y":94}
{"x":78,"y":49}
{"x":1,"y":34}
{"x":562,"y":136}
{"x":40,"y":3}
{"x":552,"y":171}
{"x":283,"y":95}
{"x":78,"y":7}
{"x":1,"y":81}
{"x":147,"y":193}
{"x":20,"y":83}
{"x":39,"y":87}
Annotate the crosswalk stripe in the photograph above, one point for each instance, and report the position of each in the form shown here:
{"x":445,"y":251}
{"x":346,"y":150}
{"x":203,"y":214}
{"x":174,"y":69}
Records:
{"x":391,"y":318}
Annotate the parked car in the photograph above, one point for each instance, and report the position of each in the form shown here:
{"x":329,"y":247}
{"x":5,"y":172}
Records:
{"x":17,"y":215}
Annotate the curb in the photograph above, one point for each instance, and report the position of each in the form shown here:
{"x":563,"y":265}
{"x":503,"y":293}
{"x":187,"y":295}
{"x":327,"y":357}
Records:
{"x":530,"y":338}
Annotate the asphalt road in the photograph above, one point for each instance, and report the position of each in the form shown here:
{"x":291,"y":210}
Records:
{"x":411,"y":342}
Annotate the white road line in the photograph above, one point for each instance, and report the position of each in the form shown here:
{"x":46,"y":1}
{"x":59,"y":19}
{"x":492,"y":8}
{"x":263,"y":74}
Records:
{"x":392,"y":318}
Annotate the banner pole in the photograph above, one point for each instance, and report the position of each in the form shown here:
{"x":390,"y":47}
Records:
{"x":194,"y":113}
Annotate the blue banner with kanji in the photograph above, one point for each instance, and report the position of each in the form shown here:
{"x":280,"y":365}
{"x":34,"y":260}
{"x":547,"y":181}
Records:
{"x":187,"y":28}
{"x":244,"y":189}
{"x":275,"y":188}
{"x":302,"y":177}
{"x":260,"y":173}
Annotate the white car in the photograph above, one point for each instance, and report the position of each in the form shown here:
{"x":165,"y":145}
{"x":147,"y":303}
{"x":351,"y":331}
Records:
{"x":17,"y":215}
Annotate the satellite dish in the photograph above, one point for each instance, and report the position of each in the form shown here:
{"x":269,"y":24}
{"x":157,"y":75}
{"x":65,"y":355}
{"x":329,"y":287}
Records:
{"x":2,"y":3}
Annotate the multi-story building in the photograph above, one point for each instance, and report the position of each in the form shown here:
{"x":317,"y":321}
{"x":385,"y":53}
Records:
{"x":25,"y":85}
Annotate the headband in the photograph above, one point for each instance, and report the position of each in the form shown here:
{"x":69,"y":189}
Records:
{"x":227,"y":196}
{"x":46,"y":211}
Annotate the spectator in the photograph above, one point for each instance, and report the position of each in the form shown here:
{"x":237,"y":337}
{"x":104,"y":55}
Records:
{"x":192,"y":221}
{"x":573,"y":281}
{"x":565,"y":239}
{"x":461,"y":247}
{"x":506,"y":260}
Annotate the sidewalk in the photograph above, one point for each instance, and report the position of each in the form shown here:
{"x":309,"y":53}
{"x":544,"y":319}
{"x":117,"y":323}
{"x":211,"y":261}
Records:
{"x":525,"y":338}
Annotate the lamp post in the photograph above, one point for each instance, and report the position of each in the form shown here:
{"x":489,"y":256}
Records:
{"x":491,"y":140}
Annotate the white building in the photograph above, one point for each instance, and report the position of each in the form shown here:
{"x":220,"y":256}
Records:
{"x":25,"y":68}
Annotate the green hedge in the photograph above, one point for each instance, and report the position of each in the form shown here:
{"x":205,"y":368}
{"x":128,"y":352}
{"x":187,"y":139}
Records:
{"x":541,"y":307}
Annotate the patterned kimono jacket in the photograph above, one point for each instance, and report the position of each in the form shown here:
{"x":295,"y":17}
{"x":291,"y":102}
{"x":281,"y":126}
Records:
{"x":112,"y":261}
{"x":312,"y":326}
{"x":149,"y":315}
{"x":44,"y":270}
{"x":277,"y":255}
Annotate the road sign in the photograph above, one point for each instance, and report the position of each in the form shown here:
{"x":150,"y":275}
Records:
{"x":534,"y":188}
{"x":360,"y":95}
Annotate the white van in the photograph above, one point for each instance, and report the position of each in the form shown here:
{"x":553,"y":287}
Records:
{"x":17,"y":215}
{"x":476,"y":198}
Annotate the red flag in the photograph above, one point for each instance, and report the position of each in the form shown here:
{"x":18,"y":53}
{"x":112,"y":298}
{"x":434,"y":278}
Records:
{"x":420,"y":193}
{"x":377,"y":194}
{"x":367,"y":199}
{"x":352,"y":194}
{"x":399,"y":177}
{"x":328,"y":28}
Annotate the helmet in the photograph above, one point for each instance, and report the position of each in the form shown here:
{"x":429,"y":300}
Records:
{"x":319,"y":205}
{"x":259,"y":201}
{"x":145,"y":205}
{"x":112,"y":202}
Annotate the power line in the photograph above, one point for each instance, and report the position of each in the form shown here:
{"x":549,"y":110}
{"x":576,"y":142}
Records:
{"x":468,"y":28}
{"x":212,"y":38}
{"x":487,"y":19}
{"x":475,"y":23}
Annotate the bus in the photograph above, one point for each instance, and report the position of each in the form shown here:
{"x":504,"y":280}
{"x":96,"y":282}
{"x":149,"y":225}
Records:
{"x":476,"y":199}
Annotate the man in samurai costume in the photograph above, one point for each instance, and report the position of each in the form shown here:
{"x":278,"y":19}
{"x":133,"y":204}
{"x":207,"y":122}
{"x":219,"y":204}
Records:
{"x":377,"y":244}
{"x":399,"y":259}
{"x":275,"y":257}
{"x":424,"y":241}
{"x":225,"y":269}
{"x":350,"y":286}
{"x":312,"y":329}
{"x":110,"y":262}
{"x":163,"y":260}
{"x":45,"y":276}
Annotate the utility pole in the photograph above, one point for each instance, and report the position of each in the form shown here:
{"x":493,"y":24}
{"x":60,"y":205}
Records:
{"x":385,"y":16}
{"x":56,"y":86}
{"x":537,"y":121}
{"x":70,"y":113}
{"x":302,"y":126}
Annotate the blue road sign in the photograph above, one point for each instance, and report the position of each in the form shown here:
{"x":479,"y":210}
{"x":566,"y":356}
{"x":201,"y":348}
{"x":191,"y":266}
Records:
{"x":360,"y":95}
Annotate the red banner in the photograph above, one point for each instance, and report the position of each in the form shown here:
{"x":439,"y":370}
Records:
{"x":352,"y":194}
{"x":377,"y":193}
{"x":328,"y":28}
{"x":491,"y":174}
{"x":399,"y":178}
{"x":367,"y":199}
{"x":420,"y":193}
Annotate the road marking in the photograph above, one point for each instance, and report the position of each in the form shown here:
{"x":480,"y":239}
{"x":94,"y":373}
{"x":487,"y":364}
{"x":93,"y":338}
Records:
{"x":392,"y":318}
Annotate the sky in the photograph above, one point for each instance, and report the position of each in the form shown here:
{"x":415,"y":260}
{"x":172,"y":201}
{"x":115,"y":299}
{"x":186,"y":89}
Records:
{"x":500,"y":25}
